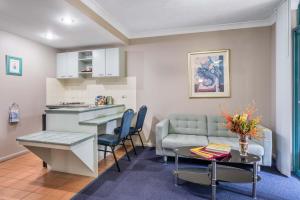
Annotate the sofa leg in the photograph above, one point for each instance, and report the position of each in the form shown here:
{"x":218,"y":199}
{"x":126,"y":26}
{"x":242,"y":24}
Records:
{"x":166,"y":159}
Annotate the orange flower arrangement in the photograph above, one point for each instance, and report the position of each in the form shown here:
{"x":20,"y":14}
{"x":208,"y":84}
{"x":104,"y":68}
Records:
{"x":244,"y":124}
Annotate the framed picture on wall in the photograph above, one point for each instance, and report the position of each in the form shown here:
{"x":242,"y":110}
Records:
{"x":209,"y":74}
{"x":13,"y":65}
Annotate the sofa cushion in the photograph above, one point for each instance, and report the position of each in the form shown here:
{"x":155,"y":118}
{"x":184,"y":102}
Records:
{"x":216,"y":127}
{"x":188,"y":124}
{"x":179,"y":140}
{"x":253,"y":147}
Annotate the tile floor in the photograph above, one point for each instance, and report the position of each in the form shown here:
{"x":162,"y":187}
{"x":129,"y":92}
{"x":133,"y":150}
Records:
{"x":25,"y":178}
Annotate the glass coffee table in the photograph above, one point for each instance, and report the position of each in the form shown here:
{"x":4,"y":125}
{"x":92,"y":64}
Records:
{"x":234,"y":169}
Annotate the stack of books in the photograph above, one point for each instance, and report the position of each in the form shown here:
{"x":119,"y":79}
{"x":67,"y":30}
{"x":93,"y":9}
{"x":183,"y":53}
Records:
{"x":212,"y":151}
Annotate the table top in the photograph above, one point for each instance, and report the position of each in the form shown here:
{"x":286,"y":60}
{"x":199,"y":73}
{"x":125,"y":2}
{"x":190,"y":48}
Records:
{"x":56,"y":138}
{"x":235,"y":156}
{"x":102,"y":119}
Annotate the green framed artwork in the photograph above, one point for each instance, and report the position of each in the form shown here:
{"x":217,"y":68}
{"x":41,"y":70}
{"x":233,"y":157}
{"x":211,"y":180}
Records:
{"x":13,"y":65}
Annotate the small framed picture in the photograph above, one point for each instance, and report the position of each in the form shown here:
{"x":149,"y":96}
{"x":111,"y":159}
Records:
{"x":209,"y":74}
{"x":13,"y":66}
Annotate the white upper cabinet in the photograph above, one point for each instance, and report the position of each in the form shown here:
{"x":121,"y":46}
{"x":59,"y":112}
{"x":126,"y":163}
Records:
{"x":60,"y":63}
{"x":72,"y":65}
{"x":115,"y":62}
{"x":67,"y":65}
{"x":99,"y":63}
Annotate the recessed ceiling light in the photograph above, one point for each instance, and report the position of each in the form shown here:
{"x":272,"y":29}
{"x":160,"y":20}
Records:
{"x":67,"y":20}
{"x":49,"y":36}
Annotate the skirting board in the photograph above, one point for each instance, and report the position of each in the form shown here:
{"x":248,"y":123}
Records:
{"x":8,"y":157}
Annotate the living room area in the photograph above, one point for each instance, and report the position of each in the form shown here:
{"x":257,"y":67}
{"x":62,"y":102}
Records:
{"x":149,"y":99}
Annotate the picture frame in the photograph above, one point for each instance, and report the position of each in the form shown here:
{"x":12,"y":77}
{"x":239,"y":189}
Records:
{"x":209,"y":74}
{"x":14,"y":65}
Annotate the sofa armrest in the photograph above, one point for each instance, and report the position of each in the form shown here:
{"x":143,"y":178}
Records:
{"x":161,"y":131}
{"x":266,"y":142}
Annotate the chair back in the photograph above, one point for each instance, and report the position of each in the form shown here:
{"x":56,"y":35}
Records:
{"x":140,"y":118}
{"x":126,"y":123}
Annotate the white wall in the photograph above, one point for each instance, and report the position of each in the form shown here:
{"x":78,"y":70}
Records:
{"x":29,"y":90}
{"x":123,"y":90}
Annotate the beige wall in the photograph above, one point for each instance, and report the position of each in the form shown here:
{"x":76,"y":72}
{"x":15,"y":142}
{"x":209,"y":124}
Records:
{"x":160,"y":65}
{"x":29,"y":90}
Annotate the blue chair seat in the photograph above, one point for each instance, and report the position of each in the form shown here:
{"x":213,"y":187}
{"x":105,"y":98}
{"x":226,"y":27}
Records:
{"x":112,"y":140}
{"x":131,"y":130}
{"x":108,"y":139}
{"x":137,"y":129}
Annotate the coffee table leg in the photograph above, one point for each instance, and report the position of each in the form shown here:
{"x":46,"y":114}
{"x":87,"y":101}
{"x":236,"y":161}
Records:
{"x":176,"y":168}
{"x":254,"y":180}
{"x":213,"y":179}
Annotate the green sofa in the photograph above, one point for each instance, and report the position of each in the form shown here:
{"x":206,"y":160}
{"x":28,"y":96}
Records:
{"x":198,"y":130}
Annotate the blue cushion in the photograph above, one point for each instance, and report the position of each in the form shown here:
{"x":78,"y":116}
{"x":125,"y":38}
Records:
{"x":131,"y":130}
{"x":108,"y":139}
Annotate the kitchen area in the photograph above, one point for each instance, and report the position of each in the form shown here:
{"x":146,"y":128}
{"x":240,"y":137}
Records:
{"x":87,"y":97}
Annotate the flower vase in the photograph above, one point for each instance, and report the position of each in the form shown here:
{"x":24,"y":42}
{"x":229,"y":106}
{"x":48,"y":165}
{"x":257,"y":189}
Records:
{"x":243,"y":145}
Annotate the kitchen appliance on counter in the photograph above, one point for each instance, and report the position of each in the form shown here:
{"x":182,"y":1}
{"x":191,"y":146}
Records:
{"x":109,"y":100}
{"x":102,"y":100}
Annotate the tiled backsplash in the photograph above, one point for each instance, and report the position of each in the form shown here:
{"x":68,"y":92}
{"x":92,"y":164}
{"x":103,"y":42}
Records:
{"x":123,"y":90}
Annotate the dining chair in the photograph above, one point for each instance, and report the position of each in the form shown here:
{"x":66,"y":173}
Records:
{"x":137,"y":129}
{"x":113,"y":140}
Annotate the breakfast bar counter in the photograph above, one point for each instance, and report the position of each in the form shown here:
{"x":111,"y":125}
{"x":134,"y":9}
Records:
{"x":69,"y":143}
{"x":64,"y":139}
{"x":81,"y":109}
{"x":63,"y":151}
{"x":102,"y":119}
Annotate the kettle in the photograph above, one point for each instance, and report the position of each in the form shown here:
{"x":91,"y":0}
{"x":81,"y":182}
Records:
{"x":109,"y":100}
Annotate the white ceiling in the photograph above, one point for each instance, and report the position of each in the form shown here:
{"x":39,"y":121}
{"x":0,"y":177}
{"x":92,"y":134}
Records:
{"x":33,"y":18}
{"x":142,"y":18}
{"x":134,"y":18}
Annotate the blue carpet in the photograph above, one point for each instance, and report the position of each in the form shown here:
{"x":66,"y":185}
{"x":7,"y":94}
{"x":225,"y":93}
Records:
{"x":146,"y":177}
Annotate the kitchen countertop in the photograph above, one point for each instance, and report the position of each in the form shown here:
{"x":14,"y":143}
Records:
{"x":81,"y":109}
{"x":56,"y":138}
